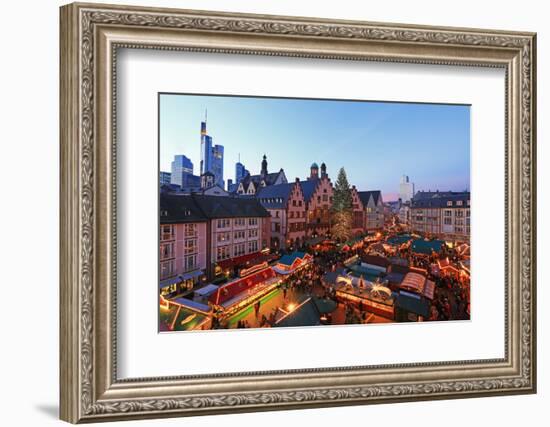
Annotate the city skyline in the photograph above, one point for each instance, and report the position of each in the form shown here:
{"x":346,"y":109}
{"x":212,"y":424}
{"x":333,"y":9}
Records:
{"x":428,"y":142}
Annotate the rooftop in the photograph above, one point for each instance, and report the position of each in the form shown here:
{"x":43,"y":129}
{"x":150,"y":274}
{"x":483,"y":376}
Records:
{"x":176,"y":208}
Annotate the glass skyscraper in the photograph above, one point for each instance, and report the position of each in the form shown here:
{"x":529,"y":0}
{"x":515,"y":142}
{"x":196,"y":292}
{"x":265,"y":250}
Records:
{"x":181,"y":167}
{"x":211,"y":157}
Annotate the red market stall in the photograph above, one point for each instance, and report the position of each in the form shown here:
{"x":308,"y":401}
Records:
{"x":242,"y":292}
{"x":288,"y":264}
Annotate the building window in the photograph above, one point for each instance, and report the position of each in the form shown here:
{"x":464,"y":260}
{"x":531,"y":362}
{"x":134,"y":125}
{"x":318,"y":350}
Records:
{"x":294,"y":203}
{"x":222,"y":253}
{"x":167,"y":232}
{"x":166,"y":269}
{"x":252,"y":221}
{"x":447,"y":221}
{"x":449,"y":203}
{"x":253,"y":246}
{"x":166,"y":251}
{"x":223,"y":223}
{"x":190,"y":230}
{"x":238,"y":235}
{"x":459,"y":202}
{"x":239,"y":249}
{"x":325,"y":197}
{"x":190,"y":246}
{"x":253,"y":233}
{"x":239,"y":222}
{"x":448,"y":212}
{"x":190,"y":262}
{"x":223,"y":237}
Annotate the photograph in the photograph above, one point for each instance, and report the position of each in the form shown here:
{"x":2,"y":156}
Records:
{"x":290,"y":212}
{"x":285,"y":192}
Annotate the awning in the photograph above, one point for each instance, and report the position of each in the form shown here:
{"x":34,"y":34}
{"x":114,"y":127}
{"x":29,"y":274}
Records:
{"x":168,"y":282}
{"x":192,"y":305}
{"x":180,"y":278}
{"x":206,"y":290}
{"x":232,"y":262}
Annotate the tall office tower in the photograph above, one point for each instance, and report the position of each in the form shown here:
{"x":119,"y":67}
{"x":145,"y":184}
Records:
{"x":165,"y":177}
{"x":206,"y":150}
{"x":217,"y":165}
{"x":406,"y":189}
{"x":181,"y":168}
{"x":211,"y":156}
{"x":240,"y":172}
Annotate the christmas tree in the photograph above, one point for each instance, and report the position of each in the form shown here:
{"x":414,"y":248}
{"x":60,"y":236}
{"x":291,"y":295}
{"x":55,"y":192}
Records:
{"x":342,"y":208}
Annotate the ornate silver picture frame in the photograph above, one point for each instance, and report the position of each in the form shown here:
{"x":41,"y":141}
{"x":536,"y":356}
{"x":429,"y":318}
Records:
{"x":91,"y":34}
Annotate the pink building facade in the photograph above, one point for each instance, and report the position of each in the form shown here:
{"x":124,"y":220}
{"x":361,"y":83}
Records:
{"x":182,"y":255}
{"x":287,"y":208}
{"x":318,"y":205}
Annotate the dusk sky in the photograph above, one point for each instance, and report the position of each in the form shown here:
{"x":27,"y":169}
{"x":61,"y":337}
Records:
{"x":376,"y":142}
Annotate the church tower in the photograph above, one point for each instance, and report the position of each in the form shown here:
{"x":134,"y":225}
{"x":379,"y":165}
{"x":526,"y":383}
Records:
{"x":264,"y":166}
{"x":324,"y":170}
{"x":314,"y":172}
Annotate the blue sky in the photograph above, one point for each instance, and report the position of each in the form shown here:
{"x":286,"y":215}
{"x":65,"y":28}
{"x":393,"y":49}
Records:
{"x":376,"y":142}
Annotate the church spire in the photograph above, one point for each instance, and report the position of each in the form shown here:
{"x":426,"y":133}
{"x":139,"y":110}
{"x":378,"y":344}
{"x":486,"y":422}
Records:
{"x":264,"y":166}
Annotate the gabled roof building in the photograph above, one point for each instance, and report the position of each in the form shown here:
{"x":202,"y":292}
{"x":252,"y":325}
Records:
{"x":373,"y":208}
{"x":286,"y":204}
{"x":251,"y":184}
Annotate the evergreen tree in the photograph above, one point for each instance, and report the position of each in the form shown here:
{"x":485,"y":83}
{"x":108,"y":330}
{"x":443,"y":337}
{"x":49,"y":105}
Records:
{"x":342,"y":208}
{"x":342,"y":200}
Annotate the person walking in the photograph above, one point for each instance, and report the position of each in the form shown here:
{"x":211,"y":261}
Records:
{"x":257,"y":308}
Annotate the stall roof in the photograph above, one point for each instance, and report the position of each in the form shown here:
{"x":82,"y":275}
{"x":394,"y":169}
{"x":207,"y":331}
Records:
{"x":180,"y":278}
{"x":290,"y":258}
{"x":413,"y":303}
{"x":427,"y":246}
{"x":192,"y":305}
{"x":394,"y":278}
{"x":306,"y":314}
{"x":207,"y":290}
{"x":375,"y":260}
{"x":399,"y":239}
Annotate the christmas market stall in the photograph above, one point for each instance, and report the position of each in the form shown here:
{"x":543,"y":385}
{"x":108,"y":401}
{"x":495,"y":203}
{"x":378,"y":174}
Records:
{"x":427,"y":247}
{"x":182,"y":314}
{"x":240,"y":293}
{"x":293,"y":262}
{"x":367,"y":296}
{"x":445,"y":268}
{"x":418,"y":284}
{"x":410,"y":307}
{"x":305,"y":314}
{"x":180,"y":284}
